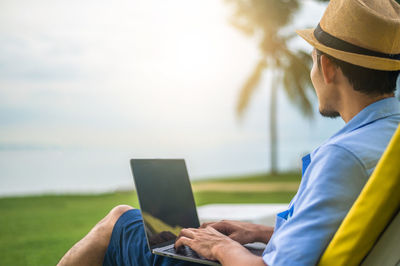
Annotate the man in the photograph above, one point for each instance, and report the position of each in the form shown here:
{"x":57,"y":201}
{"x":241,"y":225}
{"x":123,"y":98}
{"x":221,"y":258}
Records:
{"x":356,"y":62}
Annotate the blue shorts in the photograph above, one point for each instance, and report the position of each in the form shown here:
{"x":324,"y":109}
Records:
{"x":128,"y":245}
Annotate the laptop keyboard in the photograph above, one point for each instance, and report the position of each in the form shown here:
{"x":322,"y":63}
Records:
{"x":184,"y":250}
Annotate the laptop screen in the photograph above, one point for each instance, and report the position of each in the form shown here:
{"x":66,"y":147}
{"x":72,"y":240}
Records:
{"x":165,"y":198}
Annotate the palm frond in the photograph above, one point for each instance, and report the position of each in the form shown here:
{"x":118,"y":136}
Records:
{"x":262,"y":16}
{"x":250,"y":86}
{"x":296,"y":80}
{"x":265,"y":20}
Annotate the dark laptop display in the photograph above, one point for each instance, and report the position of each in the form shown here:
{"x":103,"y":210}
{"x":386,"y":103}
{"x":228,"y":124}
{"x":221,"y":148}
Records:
{"x":165,"y":197}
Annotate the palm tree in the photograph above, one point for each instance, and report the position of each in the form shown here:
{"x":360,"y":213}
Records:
{"x":266,"y":20}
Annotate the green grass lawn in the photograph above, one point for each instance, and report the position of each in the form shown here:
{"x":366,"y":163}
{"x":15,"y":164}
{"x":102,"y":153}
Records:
{"x":257,"y":178}
{"x":38,"y":230}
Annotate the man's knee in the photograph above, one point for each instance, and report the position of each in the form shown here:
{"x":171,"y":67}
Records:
{"x":106,"y":225}
{"x":113,"y":216}
{"x":104,"y":228}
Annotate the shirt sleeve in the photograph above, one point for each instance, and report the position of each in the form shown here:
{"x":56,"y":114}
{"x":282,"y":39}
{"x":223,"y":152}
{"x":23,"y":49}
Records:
{"x":332,"y":182}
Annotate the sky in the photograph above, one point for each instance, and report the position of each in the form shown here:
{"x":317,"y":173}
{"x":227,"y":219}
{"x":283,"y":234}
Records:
{"x":87,"y":85}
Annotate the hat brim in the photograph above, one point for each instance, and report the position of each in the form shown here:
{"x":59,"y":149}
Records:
{"x":366,"y":61}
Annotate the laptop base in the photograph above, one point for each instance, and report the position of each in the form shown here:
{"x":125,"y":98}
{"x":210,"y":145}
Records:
{"x":187,"y":254}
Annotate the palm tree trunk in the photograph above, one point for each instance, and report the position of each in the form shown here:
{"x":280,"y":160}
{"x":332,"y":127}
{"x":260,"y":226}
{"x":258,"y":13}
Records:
{"x":273,"y":140}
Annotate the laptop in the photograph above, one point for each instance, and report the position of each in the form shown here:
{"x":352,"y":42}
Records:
{"x":167,"y":206}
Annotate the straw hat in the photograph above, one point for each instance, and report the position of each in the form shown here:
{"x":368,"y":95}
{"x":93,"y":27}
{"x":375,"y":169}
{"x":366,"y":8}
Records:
{"x":361,"y":32}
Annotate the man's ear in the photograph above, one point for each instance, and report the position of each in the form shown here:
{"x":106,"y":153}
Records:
{"x":328,"y":68}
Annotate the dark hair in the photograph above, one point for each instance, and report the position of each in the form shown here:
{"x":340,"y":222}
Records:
{"x":368,"y":81}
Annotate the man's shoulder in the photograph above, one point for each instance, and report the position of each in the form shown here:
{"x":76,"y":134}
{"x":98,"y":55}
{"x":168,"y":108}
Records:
{"x":368,"y":142}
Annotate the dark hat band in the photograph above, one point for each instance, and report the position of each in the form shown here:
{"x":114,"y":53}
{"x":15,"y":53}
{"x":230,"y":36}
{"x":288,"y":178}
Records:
{"x":338,"y":44}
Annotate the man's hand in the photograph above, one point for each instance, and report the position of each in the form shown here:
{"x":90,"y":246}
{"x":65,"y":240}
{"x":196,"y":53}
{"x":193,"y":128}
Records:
{"x":214,"y":245}
{"x":242,"y":232}
{"x":204,"y":241}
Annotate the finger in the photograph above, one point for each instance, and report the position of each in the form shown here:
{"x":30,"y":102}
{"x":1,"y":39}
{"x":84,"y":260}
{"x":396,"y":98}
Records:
{"x":187,"y":232}
{"x":222,"y":227}
{"x":182,"y":241}
{"x":204,"y":225}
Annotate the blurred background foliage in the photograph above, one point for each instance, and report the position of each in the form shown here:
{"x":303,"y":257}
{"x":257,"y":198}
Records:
{"x":289,"y":68}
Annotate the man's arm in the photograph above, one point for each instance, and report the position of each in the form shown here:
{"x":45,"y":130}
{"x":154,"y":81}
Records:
{"x":213,"y":245}
{"x":237,"y":255}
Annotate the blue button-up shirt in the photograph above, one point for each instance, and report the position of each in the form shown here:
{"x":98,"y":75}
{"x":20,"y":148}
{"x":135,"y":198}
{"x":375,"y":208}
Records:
{"x":333,"y":176}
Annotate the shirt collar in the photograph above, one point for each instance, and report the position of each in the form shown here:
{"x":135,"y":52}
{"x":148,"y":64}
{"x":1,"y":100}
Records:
{"x":377,"y":110}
